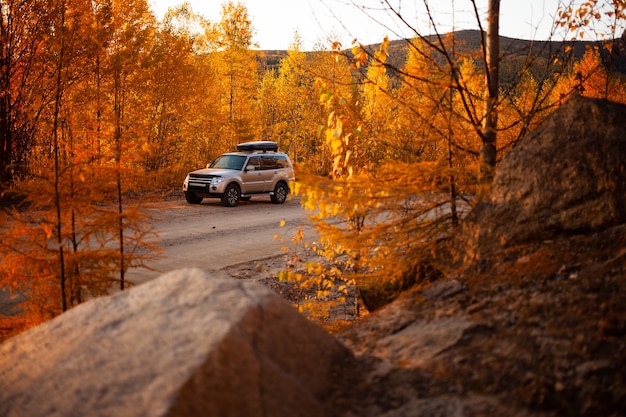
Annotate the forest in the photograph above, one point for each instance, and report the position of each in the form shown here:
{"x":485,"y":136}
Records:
{"x":103,"y":105}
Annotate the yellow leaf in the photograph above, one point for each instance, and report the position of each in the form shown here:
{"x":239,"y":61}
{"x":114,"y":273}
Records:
{"x":47,"y":229}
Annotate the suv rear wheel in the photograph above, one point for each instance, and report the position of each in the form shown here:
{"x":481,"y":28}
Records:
{"x":280,"y":193}
{"x":231,"y":196}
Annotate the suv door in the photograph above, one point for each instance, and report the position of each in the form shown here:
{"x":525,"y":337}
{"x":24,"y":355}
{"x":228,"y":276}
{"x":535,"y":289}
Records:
{"x":252,"y":176}
{"x":270,"y":170}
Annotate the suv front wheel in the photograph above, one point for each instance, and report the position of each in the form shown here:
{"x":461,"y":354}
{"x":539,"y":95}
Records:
{"x":280,"y":193}
{"x":231,"y":196}
{"x":192,"y":198}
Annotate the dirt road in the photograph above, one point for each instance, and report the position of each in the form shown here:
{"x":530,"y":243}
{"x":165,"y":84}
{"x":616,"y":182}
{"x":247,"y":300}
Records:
{"x":212,"y":237}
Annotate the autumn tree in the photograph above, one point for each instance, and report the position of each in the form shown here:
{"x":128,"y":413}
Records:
{"x":605,"y":21}
{"x":382,"y":237}
{"x":289,"y":105}
{"x":590,"y":76}
{"x":60,"y":247}
{"x":177,"y":98}
{"x":376,"y":137}
{"x":376,"y":215}
{"x":237,"y":70}
{"x":132,"y":26}
{"x":24,"y":31}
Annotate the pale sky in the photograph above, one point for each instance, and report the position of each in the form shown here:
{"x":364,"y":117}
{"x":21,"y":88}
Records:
{"x":276,"y":21}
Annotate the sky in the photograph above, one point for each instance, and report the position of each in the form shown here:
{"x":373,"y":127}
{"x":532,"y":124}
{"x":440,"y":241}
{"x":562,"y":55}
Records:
{"x":276,"y":21}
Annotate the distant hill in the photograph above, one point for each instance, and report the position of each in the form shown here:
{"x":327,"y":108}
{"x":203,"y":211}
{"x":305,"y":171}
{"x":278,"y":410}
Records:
{"x":515,"y":53}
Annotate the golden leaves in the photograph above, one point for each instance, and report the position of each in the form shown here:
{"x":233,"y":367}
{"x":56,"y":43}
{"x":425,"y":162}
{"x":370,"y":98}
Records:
{"x":360,"y":56}
{"x":578,"y":20}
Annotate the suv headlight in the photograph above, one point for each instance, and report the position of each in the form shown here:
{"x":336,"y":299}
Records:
{"x":216,"y":180}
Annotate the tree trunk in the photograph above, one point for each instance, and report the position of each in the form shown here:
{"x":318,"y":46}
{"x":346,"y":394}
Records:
{"x":57,"y":166}
{"x":6,"y":142}
{"x":118,"y":107}
{"x":490,"y":121}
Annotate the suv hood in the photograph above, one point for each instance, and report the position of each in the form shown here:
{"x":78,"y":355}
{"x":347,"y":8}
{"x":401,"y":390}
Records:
{"x":213,"y":171}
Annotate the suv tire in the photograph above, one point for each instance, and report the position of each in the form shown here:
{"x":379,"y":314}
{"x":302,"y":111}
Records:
{"x":280,"y":193}
{"x":192,"y":198}
{"x":231,"y":196}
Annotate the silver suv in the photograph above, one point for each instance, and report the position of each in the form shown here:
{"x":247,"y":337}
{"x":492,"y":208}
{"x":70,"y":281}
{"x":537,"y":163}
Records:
{"x":256,"y":168}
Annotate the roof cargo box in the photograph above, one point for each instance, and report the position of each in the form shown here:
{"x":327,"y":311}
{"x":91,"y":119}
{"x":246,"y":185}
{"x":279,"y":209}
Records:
{"x":258,"y":146}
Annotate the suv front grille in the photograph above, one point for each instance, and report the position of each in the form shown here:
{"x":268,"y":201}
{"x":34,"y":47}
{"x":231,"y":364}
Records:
{"x":200,"y":181}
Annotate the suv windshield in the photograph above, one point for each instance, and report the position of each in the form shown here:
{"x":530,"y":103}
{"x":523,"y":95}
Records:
{"x":229,"y":162}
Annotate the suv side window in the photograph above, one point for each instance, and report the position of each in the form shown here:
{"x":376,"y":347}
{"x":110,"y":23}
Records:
{"x":254,"y":161}
{"x":281,"y":161}
{"x":269,"y":162}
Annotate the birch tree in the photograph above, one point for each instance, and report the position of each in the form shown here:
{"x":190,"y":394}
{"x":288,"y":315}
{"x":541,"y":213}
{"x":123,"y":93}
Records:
{"x":492,"y":71}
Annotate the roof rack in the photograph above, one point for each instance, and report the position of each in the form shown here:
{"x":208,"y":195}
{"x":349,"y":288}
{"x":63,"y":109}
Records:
{"x":258,"y":146}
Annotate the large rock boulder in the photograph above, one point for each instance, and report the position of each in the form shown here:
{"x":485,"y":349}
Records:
{"x":185,"y":344}
{"x":568,"y":177}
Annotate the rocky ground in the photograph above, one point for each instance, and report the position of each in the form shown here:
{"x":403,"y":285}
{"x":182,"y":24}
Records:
{"x":538,"y":329}
{"x":335,"y":313}
{"x":545,"y":334}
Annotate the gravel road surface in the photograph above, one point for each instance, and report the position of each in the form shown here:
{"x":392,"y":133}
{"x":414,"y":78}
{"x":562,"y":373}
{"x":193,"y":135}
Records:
{"x":212,"y":237}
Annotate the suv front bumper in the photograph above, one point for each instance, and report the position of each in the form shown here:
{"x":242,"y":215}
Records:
{"x":204,"y":186}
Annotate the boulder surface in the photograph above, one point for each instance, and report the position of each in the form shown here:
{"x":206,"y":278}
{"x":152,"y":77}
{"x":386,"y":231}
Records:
{"x":185,"y":344}
{"x":567,"y":178}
